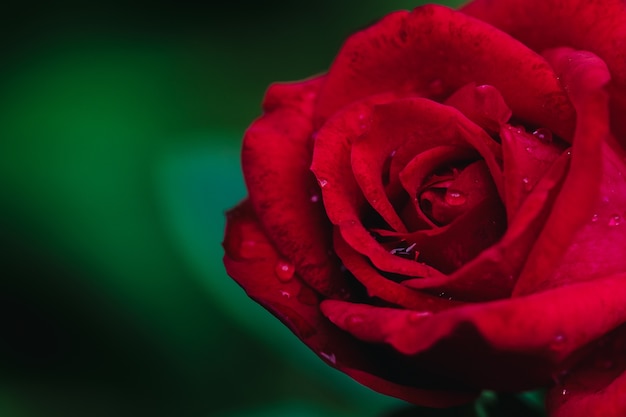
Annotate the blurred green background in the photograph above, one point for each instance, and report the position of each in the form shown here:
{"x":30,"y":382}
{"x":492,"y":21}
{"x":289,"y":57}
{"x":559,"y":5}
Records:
{"x":120,"y":128}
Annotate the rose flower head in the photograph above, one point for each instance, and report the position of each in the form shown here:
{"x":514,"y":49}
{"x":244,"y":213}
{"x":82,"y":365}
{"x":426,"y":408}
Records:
{"x":444,"y":211}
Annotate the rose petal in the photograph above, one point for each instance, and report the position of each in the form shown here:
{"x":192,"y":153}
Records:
{"x":294,"y":303}
{"x":417,"y":170}
{"x":411,"y":126}
{"x":342,"y":197}
{"x":493,"y":273}
{"x":276,"y":156}
{"x":382,"y":287}
{"x":596,"y":385}
{"x":437,"y":47}
{"x":481,"y":104}
{"x":448,"y":248}
{"x":526,"y":160}
{"x":595,"y":26}
{"x":506,"y":345}
{"x":595,"y":170}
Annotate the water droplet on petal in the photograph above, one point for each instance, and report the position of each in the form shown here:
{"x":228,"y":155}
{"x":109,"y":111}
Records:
{"x":284,"y":271}
{"x":543,"y":135}
{"x":594,"y":218}
{"x":315,"y":198}
{"x":526,"y":182}
{"x":455,"y":198}
{"x":564,"y":392}
{"x":322,"y":183}
{"x":286,"y":294}
{"x":330,"y":357}
{"x":615,"y":220}
{"x":417,"y":316}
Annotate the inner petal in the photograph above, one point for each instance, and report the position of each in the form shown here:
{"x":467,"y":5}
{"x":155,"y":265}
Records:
{"x":456,"y":192}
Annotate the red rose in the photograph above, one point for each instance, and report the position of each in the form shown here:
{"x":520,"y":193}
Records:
{"x":444,"y":211}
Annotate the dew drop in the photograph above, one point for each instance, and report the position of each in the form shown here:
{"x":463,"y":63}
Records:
{"x":543,"y":135}
{"x":330,"y":357}
{"x":417,"y":316}
{"x":284,"y":271}
{"x":564,"y":392}
{"x":315,"y":198}
{"x":526,"y":182}
{"x":594,"y":218}
{"x":615,"y":220}
{"x":455,"y":198}
{"x":286,"y":294}
{"x":322,"y":183}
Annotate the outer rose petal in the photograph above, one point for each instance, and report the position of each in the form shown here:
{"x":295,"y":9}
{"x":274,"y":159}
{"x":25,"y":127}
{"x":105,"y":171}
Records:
{"x":276,"y":156}
{"x":437,"y":47}
{"x":595,"y":26}
{"x":485,"y":344}
{"x":251,"y":260}
{"x":594,"y":168}
{"x":596,"y":386}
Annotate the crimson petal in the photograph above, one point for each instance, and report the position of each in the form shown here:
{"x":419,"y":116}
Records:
{"x":594,"y":168}
{"x":251,"y":260}
{"x":436,"y":46}
{"x":342,"y":197}
{"x":492,"y":274}
{"x":276,"y":157}
{"x":483,"y":105}
{"x":384,"y":288}
{"x":596,"y":385}
{"x":595,"y":26}
{"x":526,"y":160}
{"x":528,"y":336}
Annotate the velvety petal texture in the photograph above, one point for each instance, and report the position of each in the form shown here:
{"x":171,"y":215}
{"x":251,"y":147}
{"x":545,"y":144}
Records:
{"x":444,"y":211}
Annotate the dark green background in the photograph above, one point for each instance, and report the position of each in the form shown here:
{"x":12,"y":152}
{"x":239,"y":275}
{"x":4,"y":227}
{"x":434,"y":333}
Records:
{"x":120,"y":127}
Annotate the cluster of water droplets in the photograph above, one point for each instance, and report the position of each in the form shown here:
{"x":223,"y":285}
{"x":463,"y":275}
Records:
{"x":613,"y":220}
